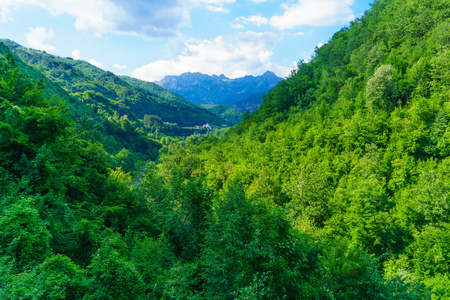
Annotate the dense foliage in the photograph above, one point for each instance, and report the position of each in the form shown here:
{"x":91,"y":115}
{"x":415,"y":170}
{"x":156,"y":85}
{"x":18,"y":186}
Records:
{"x":112,"y":110}
{"x":229,"y":113}
{"x":354,"y":144}
{"x":337,"y":187}
{"x":99,"y":119}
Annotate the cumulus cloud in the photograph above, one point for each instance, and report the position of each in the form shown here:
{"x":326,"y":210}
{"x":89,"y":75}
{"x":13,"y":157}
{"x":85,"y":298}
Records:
{"x":217,"y":8}
{"x":76,"y":54}
{"x":95,"y":63}
{"x":306,"y":56}
{"x":117,"y":66}
{"x":5,"y":15}
{"x":237,"y":25}
{"x":36,"y":38}
{"x":255,"y":20}
{"x":236,"y":55}
{"x":313,"y":13}
{"x":153,"y":18}
{"x":215,"y":2}
{"x":146,"y":18}
{"x":215,"y":5}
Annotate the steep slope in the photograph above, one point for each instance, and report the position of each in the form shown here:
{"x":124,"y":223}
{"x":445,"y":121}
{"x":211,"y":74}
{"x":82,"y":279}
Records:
{"x":59,"y":199}
{"x":250,"y":103}
{"x":205,"y":89}
{"x":98,"y":119}
{"x":225,"y":111}
{"x":77,"y":77}
{"x":355,"y":144}
{"x":51,"y":88}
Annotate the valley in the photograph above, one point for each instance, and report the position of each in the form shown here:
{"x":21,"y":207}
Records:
{"x":335,"y":186}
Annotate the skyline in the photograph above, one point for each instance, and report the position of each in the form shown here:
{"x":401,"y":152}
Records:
{"x":151,"y":39}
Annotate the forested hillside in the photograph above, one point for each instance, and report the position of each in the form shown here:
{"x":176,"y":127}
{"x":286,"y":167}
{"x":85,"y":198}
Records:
{"x":98,"y":119}
{"x":337,"y":187}
{"x":82,"y":79}
{"x":227,"y":112}
{"x":354,"y":145}
{"x":127,"y":116}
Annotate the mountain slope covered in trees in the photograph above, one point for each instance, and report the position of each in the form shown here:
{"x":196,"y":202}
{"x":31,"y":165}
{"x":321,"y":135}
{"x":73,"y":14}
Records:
{"x":99,"y":119}
{"x":354,"y":144}
{"x":227,"y":112}
{"x":335,"y":188}
{"x":126,"y":115}
{"x":82,"y":79}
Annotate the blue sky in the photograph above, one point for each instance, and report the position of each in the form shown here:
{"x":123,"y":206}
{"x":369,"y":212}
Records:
{"x":149,"y":39}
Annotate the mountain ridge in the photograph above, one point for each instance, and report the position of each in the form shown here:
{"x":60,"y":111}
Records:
{"x":78,"y":76}
{"x":201,"y":88}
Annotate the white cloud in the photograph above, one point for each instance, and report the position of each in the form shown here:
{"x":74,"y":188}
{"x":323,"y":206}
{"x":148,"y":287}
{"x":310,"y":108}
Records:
{"x":215,"y":5}
{"x":76,"y":54}
{"x":146,"y":18}
{"x":306,"y":56}
{"x":5,"y":15}
{"x":119,"y":66}
{"x":242,"y":53}
{"x":259,"y":1}
{"x":237,"y":26}
{"x":313,"y":13}
{"x":95,"y":63}
{"x":36,"y":38}
{"x":256,"y":20}
{"x":217,"y":9}
{"x":216,"y":2}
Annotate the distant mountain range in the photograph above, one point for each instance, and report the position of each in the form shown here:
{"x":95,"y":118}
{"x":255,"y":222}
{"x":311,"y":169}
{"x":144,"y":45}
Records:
{"x":205,"y":89}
